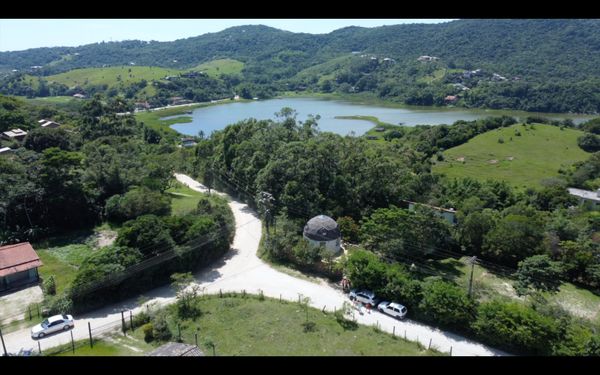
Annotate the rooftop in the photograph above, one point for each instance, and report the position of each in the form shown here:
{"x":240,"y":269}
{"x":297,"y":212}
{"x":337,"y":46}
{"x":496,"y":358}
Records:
{"x":17,"y":258}
{"x":585,"y":194}
{"x":322,"y":228}
{"x":15,"y":133}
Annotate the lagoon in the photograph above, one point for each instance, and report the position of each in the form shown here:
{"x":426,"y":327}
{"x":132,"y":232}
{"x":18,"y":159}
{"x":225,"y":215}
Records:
{"x":217,"y":117}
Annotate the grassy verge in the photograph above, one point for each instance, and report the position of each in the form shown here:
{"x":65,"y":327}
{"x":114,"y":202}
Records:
{"x":264,"y":326}
{"x":112,"y":346}
{"x":183,"y":199}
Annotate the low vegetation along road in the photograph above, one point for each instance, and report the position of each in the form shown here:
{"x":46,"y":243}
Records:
{"x":241,"y":269}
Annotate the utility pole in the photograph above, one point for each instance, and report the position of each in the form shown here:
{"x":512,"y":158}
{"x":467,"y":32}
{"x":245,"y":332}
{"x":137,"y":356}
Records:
{"x":472,"y":260}
{"x":266,"y":200}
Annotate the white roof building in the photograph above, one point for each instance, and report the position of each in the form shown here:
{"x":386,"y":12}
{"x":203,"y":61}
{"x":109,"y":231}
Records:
{"x":585,"y":194}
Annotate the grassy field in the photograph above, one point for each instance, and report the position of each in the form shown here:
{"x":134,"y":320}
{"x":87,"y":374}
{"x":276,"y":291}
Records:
{"x":215,"y":68}
{"x":522,"y":161}
{"x":183,"y":199}
{"x":249,"y":326}
{"x":113,"y":76}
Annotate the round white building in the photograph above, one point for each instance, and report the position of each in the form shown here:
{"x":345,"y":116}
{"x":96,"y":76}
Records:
{"x":323,"y":231}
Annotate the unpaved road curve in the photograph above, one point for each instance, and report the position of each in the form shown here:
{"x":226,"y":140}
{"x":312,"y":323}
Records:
{"x":241,"y":269}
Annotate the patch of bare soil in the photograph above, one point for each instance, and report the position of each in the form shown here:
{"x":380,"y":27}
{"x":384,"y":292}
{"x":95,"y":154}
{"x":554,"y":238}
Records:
{"x":105,"y":238}
{"x":493,"y":161}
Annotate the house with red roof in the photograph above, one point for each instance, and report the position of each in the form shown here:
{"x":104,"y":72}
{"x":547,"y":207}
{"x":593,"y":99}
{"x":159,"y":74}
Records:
{"x":18,"y":265}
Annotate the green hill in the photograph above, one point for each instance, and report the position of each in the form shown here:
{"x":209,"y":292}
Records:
{"x":522,"y":161}
{"x":222,"y":66}
{"x":539,"y":65}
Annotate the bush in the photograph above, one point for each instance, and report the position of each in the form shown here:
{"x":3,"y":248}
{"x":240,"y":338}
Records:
{"x":61,"y":304}
{"x":500,"y":140}
{"x":141,"y":319}
{"x":515,"y":327}
{"x":147,"y":233}
{"x":589,"y":142}
{"x":49,"y":286}
{"x":137,"y":202}
{"x":148,"y":330}
{"x":446,"y":304}
{"x":160,"y":327}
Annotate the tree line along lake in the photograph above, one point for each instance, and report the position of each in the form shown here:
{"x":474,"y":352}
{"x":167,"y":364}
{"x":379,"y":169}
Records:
{"x":216,"y":117}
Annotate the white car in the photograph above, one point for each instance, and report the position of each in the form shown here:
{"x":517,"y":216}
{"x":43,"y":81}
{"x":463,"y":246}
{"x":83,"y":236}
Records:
{"x":53,"y":324}
{"x":392,"y":308}
{"x":363,"y":296}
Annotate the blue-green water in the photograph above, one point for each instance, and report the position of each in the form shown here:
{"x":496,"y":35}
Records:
{"x":217,"y":117}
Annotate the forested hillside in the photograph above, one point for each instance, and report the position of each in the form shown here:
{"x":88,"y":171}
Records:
{"x":534,"y":65}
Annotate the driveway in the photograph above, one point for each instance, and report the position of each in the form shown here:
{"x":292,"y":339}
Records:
{"x":241,"y":269}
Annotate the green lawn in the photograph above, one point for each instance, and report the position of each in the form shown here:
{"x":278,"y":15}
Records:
{"x":522,"y":161}
{"x":64,"y":273}
{"x":248,"y":326}
{"x":183,"y":199}
{"x":216,"y":68}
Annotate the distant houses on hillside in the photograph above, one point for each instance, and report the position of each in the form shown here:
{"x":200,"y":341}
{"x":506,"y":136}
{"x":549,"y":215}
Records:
{"x":587,"y":199}
{"x":14,"y":134}
{"x":426,"y":58}
{"x":48,"y":124}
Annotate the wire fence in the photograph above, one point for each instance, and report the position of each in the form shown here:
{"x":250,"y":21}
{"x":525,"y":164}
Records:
{"x":32,"y":311}
{"x":123,"y":325}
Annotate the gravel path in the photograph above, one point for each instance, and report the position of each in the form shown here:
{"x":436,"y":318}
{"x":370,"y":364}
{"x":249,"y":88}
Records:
{"x":240,"y":269}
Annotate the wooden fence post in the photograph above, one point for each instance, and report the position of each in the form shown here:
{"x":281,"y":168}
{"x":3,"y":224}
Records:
{"x":123,"y":322}
{"x":394,"y":332}
{"x":429,"y":347}
{"x":72,"y":342}
{"x":131,"y":320}
{"x":91,"y":339}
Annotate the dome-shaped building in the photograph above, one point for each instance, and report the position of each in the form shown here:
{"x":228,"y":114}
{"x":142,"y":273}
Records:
{"x":323,"y":231}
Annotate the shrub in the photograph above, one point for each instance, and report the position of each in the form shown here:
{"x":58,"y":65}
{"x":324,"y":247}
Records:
{"x":148,"y":330}
{"x":446,"y":304}
{"x":50,"y":285}
{"x":141,"y":319}
{"x":135,"y":203}
{"x":160,"y":327}
{"x":500,"y":140}
{"x":61,"y":304}
{"x":515,"y":327}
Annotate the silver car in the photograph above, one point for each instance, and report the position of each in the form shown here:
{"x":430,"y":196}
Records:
{"x":53,"y":324}
{"x":392,"y":308}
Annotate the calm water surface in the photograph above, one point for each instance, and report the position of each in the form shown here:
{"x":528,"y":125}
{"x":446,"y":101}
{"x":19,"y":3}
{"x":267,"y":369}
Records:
{"x":217,"y":117}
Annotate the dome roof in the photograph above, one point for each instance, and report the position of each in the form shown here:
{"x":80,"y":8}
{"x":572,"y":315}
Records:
{"x":322,"y":228}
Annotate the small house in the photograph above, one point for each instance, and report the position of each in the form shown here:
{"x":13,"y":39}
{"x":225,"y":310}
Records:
{"x":48,"y":124}
{"x":14,"y":134}
{"x":188,"y":142}
{"x":449,"y":214}
{"x":5,"y":151}
{"x":587,"y":199}
{"x":18,"y":265}
{"x":451,"y":99}
{"x":323,"y":231}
